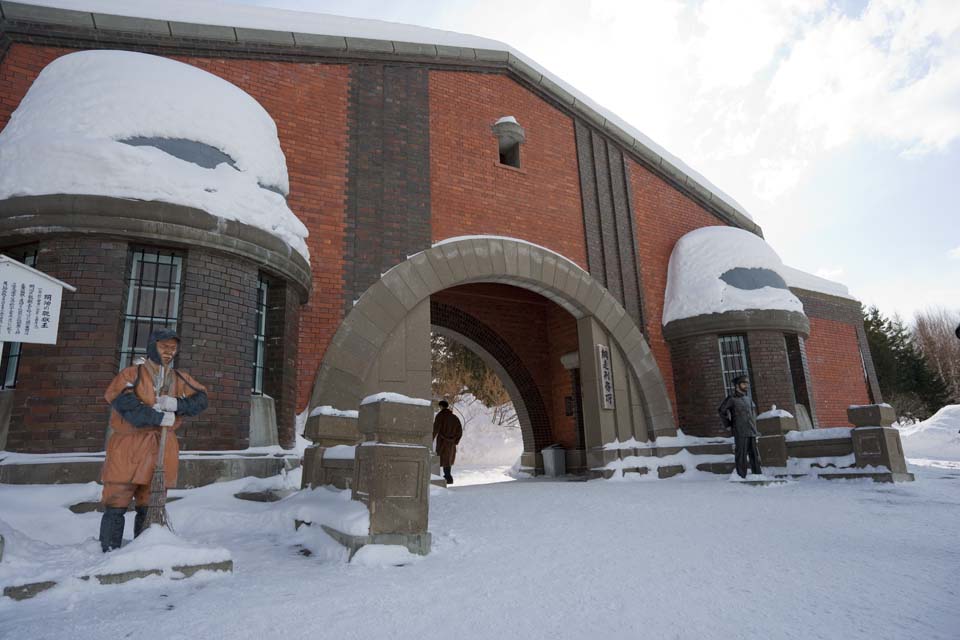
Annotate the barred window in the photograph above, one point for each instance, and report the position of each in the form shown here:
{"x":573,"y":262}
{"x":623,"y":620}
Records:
{"x":153,"y":299}
{"x":10,"y":352}
{"x":260,"y":337}
{"x":733,"y":360}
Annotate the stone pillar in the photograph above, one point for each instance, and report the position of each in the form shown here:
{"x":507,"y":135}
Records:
{"x":392,"y":473}
{"x":772,"y":443}
{"x":875,"y":442}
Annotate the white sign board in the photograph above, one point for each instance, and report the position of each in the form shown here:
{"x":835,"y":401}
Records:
{"x":606,"y":376}
{"x":29,"y":303}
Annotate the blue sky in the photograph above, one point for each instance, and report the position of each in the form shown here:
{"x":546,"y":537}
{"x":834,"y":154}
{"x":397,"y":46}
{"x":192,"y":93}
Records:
{"x":836,"y":124}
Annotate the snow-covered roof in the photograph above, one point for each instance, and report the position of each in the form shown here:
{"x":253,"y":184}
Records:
{"x":132,"y":125}
{"x":798,"y":279}
{"x":719,"y":269}
{"x":387,"y":37}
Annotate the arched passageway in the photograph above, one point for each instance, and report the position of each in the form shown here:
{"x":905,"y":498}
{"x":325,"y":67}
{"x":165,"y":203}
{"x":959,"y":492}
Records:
{"x":383,"y":343}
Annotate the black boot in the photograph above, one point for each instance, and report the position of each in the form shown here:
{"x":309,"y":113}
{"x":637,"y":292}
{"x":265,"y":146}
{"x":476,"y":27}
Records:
{"x":111,"y":528}
{"x":447,"y":476}
{"x":139,"y":523}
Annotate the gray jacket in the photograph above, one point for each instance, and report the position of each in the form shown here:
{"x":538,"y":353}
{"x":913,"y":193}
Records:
{"x":739,"y":414}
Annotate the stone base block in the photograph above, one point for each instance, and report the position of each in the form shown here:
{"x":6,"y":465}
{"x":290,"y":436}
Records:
{"x":879,"y":447}
{"x":871,"y":415}
{"x":418,"y":543}
{"x":27,"y":591}
{"x":773,"y":450}
{"x":263,"y":422}
{"x":394,"y":482}
{"x":720,"y":468}
{"x":670,"y":470}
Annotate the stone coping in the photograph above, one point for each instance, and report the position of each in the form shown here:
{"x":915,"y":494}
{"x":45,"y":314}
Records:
{"x":102,"y":29}
{"x":194,"y":471}
{"x":26,"y":217}
{"x":740,"y":321}
{"x":29,"y":590}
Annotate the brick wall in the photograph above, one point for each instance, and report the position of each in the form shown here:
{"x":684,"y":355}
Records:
{"x":471,"y":193}
{"x":217,"y":329}
{"x":58,"y":402}
{"x":770,"y":369}
{"x":663,"y":215}
{"x":280,"y":373}
{"x":308,"y":102}
{"x":834,"y":357}
{"x":698,"y":380}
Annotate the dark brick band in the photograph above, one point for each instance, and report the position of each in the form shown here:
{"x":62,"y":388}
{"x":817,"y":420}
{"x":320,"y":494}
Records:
{"x":608,"y":220}
{"x":388,"y":188}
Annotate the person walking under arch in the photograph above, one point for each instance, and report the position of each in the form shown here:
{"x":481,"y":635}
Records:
{"x":447,"y":431}
{"x":739,"y":414}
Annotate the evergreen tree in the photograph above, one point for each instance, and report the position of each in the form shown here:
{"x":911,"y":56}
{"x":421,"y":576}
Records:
{"x":906,"y":379}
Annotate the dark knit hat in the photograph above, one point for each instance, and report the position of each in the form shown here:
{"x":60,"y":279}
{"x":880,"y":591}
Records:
{"x":159,"y":335}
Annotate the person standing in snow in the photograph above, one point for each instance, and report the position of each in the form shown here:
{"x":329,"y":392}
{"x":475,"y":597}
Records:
{"x":739,"y":414}
{"x":447,"y":431}
{"x":144,"y":398}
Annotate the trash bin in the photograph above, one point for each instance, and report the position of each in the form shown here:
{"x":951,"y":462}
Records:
{"x":554,"y":461}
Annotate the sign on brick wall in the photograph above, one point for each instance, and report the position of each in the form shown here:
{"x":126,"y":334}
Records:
{"x":29,"y":303}
{"x":606,"y":376}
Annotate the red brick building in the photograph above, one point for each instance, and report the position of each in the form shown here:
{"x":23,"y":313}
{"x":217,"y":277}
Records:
{"x":563,"y":222}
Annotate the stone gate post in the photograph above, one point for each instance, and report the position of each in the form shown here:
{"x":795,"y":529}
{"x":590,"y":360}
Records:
{"x":392,"y":472}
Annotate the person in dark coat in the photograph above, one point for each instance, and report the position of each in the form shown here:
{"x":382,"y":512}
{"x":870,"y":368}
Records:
{"x":144,"y":398}
{"x":739,"y":414}
{"x":447,"y":431}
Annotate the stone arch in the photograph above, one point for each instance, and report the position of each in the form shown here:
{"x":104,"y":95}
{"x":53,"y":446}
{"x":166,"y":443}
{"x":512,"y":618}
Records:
{"x":403,"y":289}
{"x":497,"y":354}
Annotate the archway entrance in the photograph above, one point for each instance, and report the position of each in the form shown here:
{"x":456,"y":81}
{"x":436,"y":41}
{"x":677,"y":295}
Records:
{"x":522,"y":337}
{"x":383,"y":343}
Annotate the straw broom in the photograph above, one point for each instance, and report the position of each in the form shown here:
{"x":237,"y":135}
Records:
{"x":157,"y":507}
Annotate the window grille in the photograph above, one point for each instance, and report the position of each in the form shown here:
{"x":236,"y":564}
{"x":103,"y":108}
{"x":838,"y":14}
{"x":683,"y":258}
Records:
{"x":10,"y":354}
{"x":153,"y":300}
{"x":733,"y":360}
{"x":260,"y":337}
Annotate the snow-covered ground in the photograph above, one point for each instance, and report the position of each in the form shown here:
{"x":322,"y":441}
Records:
{"x":936,"y":441}
{"x":679,"y":558}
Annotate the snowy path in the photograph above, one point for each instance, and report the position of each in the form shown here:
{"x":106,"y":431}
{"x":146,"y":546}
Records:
{"x":542,"y":559}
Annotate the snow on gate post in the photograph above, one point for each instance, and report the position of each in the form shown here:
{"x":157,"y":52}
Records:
{"x":392,"y":472}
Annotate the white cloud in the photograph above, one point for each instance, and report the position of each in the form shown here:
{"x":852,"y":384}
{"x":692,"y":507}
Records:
{"x":954,"y":254}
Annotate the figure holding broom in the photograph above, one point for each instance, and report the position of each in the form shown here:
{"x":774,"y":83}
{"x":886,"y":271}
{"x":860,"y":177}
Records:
{"x":149,"y":401}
